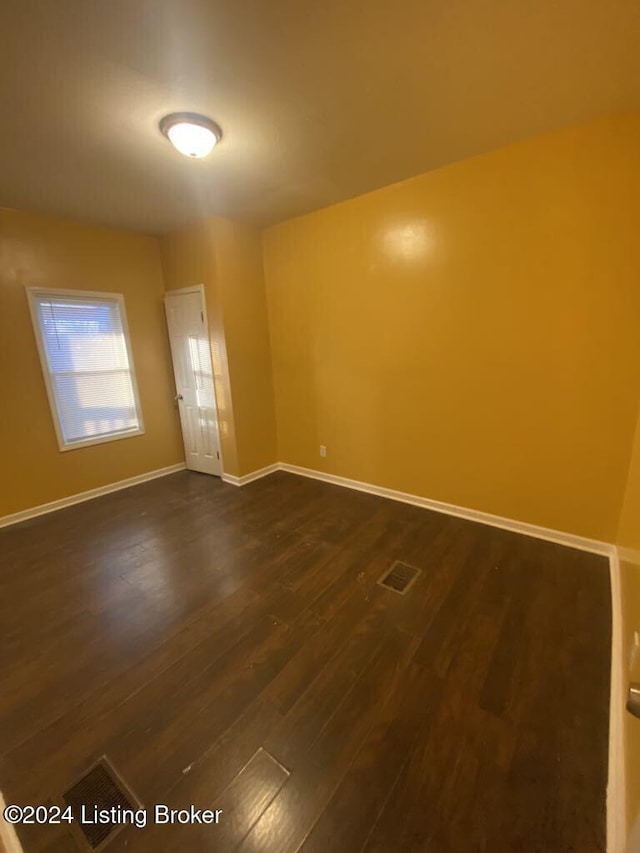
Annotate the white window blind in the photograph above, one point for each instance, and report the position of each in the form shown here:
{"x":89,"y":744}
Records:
{"x":86,"y":361}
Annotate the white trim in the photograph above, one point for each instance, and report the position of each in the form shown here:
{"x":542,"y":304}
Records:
{"x":193,"y":288}
{"x":9,"y":842}
{"x":594,"y":546}
{"x":80,"y":497}
{"x":95,"y":296}
{"x":616,"y":787}
{"x":254,"y":475}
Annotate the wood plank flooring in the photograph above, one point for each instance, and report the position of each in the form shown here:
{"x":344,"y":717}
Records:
{"x":230,"y":648}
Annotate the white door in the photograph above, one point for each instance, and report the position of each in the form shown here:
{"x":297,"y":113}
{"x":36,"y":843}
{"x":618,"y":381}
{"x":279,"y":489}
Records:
{"x":189,"y":339}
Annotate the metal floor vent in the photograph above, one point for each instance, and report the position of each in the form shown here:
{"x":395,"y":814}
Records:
{"x":399,"y":578}
{"x":100,"y":789}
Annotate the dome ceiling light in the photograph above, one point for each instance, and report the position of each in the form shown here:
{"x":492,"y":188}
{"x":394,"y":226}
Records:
{"x":191,"y":134}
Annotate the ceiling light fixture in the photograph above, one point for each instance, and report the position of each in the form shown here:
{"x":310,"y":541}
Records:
{"x":191,"y":134}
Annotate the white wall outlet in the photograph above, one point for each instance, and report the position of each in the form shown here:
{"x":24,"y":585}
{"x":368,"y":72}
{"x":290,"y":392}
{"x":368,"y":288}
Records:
{"x":323,"y":450}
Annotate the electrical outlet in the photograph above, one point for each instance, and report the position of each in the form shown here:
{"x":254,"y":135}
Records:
{"x":323,"y":450}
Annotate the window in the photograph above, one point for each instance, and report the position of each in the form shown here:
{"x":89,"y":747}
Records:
{"x":86,"y":360}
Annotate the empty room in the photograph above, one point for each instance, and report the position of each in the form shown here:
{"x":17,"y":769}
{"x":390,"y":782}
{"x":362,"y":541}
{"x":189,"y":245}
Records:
{"x":320,"y":435}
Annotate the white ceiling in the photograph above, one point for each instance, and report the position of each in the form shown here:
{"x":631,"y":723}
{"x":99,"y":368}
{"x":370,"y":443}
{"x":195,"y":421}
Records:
{"x":319,"y":100}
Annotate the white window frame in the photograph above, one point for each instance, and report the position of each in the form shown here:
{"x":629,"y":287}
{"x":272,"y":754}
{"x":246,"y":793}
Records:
{"x":96,"y":296}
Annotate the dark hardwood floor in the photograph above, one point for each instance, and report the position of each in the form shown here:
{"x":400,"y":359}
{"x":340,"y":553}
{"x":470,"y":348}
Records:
{"x":230,"y":648}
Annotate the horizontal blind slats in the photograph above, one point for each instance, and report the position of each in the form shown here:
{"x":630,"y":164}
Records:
{"x":88,"y":366}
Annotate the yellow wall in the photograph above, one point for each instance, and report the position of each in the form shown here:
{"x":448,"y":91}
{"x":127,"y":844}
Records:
{"x":36,"y":250}
{"x":227,"y":258}
{"x":629,"y":543}
{"x":238,"y":250}
{"x":469,"y":335}
{"x":188,"y":258}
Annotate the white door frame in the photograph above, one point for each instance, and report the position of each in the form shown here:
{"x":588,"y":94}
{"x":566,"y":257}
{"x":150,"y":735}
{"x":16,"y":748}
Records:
{"x":199,"y":288}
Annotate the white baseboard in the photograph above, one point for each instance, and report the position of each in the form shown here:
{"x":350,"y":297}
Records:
{"x":582,"y":543}
{"x":33,"y":512}
{"x":594,"y":546}
{"x":616,"y":787}
{"x":249,"y":478}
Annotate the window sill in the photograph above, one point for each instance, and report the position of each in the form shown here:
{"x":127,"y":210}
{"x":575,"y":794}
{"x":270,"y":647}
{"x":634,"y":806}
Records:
{"x":102,"y":439}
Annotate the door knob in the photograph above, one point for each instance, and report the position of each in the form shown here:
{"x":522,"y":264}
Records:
{"x":633,"y":699}
{"x":178,"y":397}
